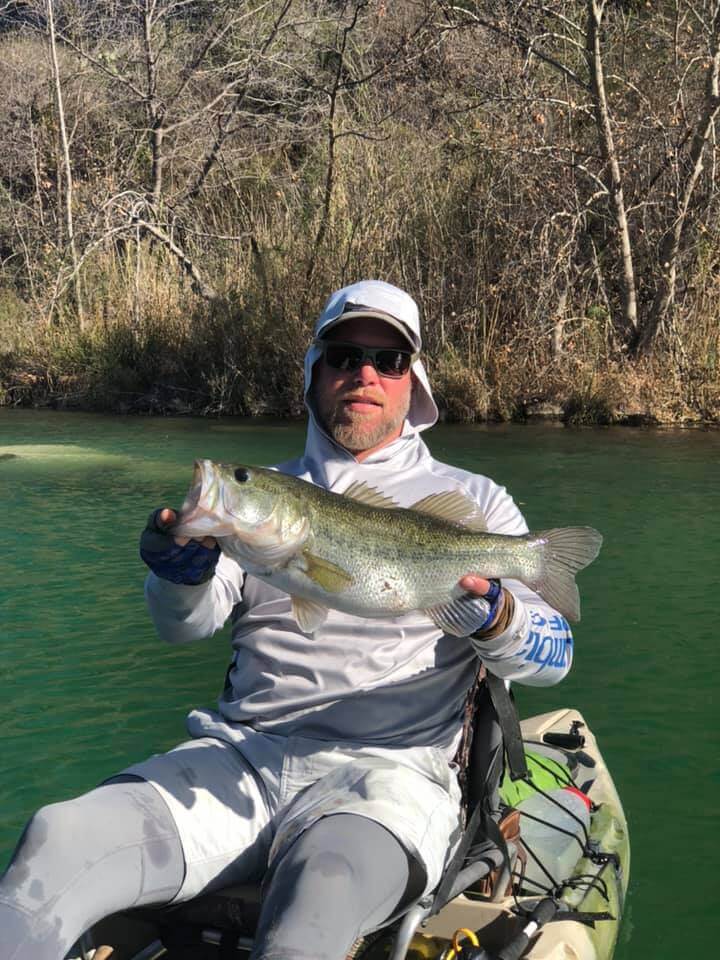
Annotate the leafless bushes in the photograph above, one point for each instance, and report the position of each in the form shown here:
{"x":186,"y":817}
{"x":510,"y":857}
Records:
{"x":542,"y":176}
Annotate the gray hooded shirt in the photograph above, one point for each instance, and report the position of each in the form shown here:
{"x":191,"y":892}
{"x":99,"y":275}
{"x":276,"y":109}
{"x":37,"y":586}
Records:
{"x":396,"y":682}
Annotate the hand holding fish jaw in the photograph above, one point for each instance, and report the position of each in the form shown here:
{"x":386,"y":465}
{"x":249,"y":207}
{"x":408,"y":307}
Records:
{"x":166,"y":517}
{"x":179,"y":559}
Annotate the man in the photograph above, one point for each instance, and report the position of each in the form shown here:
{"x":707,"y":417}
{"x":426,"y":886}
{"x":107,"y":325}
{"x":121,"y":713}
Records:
{"x":327,"y":768}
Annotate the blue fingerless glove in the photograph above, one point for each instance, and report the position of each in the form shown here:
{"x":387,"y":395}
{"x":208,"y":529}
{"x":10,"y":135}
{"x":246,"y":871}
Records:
{"x":190,"y":564}
{"x":486,"y":606}
{"x":492,"y":598}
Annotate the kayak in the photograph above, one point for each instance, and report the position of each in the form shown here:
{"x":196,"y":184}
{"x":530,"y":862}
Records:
{"x":590,"y":898}
{"x":530,"y":910}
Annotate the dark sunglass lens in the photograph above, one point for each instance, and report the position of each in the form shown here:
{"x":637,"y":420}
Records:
{"x":342,"y":356}
{"x":392,"y":363}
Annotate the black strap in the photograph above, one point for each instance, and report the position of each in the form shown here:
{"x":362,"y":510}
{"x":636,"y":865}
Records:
{"x":510,"y":725}
{"x":481,"y":816}
{"x":585,"y":917}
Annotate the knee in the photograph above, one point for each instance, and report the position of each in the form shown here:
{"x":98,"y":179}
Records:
{"x":54,"y":828}
{"x":309,"y":857}
{"x":329,"y":865}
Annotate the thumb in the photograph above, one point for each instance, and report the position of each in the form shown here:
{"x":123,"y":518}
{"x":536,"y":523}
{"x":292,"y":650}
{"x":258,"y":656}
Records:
{"x":474,"y":584}
{"x":166,"y":516}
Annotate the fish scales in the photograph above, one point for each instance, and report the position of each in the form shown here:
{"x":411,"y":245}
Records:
{"x":409,"y":560}
{"x":366,"y":556}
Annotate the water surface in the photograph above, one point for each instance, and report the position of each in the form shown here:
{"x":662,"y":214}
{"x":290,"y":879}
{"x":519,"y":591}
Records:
{"x":86,"y":687}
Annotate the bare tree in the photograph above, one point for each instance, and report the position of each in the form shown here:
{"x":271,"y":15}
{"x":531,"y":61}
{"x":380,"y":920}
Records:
{"x":225,"y":54}
{"x":556,"y":37}
{"x":699,"y":135}
{"x":66,"y":162}
{"x":606,"y":140}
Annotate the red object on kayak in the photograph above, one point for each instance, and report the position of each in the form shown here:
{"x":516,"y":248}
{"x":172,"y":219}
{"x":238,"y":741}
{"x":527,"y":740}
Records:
{"x":586,"y":799}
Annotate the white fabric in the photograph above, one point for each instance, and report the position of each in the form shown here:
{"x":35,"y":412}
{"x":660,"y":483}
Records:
{"x":387,"y":694}
{"x":240,"y":801}
{"x":220,"y":808}
{"x":373,"y":298}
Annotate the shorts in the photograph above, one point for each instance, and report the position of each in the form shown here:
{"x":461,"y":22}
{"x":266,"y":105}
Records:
{"x":240,"y":798}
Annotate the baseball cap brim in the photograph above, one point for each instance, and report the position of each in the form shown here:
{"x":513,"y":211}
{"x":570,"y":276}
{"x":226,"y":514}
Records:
{"x":361,"y":312}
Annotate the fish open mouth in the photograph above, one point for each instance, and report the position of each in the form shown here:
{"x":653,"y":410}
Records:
{"x":197,"y":514}
{"x":199,"y":488}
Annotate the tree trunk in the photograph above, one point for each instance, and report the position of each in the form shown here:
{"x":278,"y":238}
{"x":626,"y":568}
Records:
{"x":153,"y":110}
{"x":609,"y":154}
{"x":66,"y":165}
{"x":670,"y":245}
{"x":198,"y":282}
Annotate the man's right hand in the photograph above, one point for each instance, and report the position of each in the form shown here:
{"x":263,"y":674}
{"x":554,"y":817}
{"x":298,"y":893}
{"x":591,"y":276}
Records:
{"x":177,"y":559}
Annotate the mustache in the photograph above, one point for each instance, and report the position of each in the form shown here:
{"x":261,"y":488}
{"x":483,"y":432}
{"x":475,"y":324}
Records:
{"x":367,"y":396}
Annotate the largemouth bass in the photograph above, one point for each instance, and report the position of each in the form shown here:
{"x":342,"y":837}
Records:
{"x":361,"y":553}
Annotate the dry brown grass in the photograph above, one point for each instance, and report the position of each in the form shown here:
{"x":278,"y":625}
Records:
{"x":439,"y":184}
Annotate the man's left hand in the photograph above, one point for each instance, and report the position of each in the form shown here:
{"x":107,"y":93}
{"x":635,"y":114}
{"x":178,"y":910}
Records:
{"x":486,"y":596}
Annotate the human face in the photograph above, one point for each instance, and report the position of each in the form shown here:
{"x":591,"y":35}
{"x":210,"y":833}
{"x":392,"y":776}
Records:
{"x":360,"y":409}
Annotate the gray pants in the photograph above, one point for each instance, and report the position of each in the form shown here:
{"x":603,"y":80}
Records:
{"x":117,"y":847}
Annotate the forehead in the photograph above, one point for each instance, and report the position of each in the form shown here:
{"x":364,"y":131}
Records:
{"x":368,"y":331}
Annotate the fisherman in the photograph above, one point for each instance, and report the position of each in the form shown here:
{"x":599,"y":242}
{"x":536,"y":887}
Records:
{"x":327,"y":768}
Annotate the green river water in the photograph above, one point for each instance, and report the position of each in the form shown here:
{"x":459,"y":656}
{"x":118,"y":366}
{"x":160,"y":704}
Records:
{"x":86,"y":688}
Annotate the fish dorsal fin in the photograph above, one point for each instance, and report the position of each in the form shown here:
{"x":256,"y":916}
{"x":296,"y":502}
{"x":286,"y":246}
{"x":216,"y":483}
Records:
{"x":454,"y":507}
{"x":370,"y":496}
{"x":309,"y":615}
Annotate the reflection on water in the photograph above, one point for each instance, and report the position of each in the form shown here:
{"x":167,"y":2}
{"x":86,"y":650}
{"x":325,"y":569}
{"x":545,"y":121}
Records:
{"x":86,"y":688}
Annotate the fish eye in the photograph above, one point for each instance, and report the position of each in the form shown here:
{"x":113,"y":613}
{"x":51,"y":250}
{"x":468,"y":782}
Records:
{"x":241,"y":475}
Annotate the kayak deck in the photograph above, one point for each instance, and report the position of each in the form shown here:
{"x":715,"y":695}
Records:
{"x":600,"y":887}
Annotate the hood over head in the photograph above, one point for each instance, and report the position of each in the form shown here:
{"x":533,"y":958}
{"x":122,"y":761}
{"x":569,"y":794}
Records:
{"x":375,"y":298}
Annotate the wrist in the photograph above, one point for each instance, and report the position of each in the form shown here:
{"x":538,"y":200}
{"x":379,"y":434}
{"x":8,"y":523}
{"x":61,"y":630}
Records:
{"x":494,"y":598}
{"x":500,"y":613}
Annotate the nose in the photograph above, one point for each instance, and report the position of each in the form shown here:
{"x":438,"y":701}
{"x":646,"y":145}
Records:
{"x":366,"y":374}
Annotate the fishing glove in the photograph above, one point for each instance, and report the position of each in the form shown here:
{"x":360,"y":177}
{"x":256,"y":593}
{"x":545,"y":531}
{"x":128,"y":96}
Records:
{"x":486,"y":606}
{"x":190,"y":564}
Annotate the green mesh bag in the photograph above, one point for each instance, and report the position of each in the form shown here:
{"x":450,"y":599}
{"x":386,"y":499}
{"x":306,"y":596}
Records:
{"x":545,"y":773}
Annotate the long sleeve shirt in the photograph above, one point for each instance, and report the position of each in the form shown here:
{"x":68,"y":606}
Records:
{"x":387,"y":682}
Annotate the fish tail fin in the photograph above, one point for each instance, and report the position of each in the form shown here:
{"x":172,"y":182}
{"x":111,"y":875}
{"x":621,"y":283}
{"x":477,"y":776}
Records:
{"x":566,"y":550}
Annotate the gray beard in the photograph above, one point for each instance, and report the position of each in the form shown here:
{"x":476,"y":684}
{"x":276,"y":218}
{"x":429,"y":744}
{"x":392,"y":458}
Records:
{"x":354,"y":436}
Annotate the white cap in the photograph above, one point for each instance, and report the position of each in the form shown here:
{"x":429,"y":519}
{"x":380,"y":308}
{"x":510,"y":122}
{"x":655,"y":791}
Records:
{"x":375,"y":298}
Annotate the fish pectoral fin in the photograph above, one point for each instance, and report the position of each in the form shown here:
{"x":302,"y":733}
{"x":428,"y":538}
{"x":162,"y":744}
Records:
{"x":325,"y":573}
{"x":457,"y":617}
{"x":454,"y":507}
{"x":370,"y":496}
{"x":309,"y":615}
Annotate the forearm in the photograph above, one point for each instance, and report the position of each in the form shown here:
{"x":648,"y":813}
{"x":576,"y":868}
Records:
{"x":183,"y":613}
{"x":534,"y":644}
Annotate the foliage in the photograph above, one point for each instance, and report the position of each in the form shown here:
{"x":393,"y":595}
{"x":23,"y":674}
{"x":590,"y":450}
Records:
{"x":232,"y":162}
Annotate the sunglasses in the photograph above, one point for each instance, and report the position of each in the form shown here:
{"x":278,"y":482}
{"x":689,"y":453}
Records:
{"x":349,"y":357}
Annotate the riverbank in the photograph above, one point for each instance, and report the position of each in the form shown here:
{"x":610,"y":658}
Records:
{"x":117,"y":373}
{"x":165,"y":245}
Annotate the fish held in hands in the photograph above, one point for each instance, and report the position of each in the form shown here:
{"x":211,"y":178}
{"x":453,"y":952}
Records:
{"x":361,"y":553}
